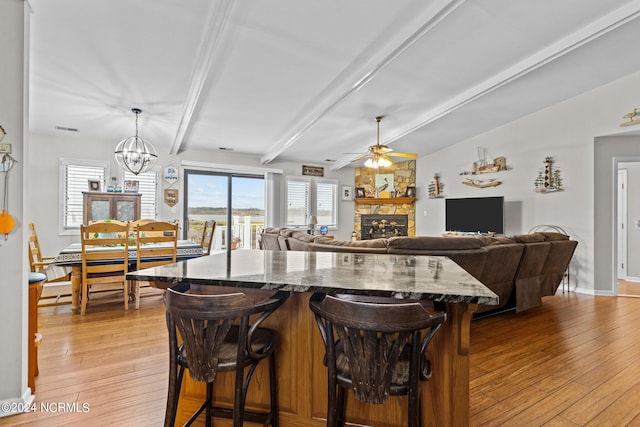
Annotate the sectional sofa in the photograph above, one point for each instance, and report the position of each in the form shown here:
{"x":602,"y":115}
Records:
{"x":520,"y":269}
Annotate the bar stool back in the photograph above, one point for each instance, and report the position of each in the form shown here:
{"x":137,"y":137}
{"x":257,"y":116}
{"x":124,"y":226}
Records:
{"x":218,"y":335}
{"x":374,"y":347}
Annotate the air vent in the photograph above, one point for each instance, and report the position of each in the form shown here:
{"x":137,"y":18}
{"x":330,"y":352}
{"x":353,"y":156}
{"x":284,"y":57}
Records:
{"x":66,"y":129}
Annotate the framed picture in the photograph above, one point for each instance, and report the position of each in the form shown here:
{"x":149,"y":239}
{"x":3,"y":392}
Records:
{"x":360,"y":192}
{"x":347,"y":192}
{"x":411,"y":191}
{"x":131,"y":186}
{"x":312,"y":170}
{"x":384,"y":182}
{"x":94,"y":185}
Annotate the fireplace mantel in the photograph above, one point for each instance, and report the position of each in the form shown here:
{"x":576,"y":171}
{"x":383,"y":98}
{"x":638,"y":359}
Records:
{"x":384,"y":201}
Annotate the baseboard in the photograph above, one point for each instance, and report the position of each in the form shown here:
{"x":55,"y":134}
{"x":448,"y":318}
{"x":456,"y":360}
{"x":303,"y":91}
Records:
{"x":17,"y":405}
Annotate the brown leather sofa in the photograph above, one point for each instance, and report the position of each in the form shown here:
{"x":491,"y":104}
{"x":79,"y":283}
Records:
{"x":520,"y":269}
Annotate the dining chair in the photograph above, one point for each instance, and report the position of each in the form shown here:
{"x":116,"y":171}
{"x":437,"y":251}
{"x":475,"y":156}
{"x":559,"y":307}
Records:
{"x":156,"y":244}
{"x":105,"y":257}
{"x":207,"y":236}
{"x":58,"y":276}
{"x":212,"y":333}
{"x":133,"y":225}
{"x":375,"y":347}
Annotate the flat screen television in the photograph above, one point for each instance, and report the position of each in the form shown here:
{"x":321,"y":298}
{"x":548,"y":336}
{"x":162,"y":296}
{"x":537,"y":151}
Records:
{"x":475,"y":215}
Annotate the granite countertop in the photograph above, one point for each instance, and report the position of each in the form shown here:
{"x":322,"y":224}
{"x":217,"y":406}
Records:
{"x":400,"y":276}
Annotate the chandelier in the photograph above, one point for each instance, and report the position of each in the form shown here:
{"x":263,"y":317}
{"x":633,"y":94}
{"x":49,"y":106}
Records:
{"x":134,"y":153}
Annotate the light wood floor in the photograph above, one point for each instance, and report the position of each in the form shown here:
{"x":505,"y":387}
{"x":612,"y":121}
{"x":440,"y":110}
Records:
{"x":628,"y":288}
{"x":572,"y":362}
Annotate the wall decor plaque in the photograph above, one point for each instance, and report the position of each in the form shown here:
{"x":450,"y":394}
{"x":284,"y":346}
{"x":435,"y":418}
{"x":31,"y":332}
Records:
{"x":171,"y":174}
{"x":171,"y":196}
{"x":312,"y":170}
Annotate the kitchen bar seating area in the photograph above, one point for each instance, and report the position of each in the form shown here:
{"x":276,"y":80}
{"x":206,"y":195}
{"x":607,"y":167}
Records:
{"x":302,"y":377}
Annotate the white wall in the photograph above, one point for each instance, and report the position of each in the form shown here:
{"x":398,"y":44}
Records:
{"x":565,"y":132}
{"x":13,"y":107}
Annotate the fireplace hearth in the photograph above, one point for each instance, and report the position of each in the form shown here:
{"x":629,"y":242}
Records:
{"x":382,"y":226}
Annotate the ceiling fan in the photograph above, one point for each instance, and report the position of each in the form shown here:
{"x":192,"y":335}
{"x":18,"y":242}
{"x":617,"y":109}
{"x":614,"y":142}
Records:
{"x":378,"y":156}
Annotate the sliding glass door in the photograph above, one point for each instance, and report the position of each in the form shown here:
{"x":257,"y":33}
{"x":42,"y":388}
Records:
{"x":235,"y":202}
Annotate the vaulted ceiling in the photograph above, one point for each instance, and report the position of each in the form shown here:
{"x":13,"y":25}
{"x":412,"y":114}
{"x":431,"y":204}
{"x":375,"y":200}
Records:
{"x":302,"y":80}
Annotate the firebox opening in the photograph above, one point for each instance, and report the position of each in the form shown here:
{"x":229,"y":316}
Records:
{"x":382,"y":226}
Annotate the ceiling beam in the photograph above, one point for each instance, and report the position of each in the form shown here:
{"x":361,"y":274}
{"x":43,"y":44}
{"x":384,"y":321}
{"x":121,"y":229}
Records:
{"x":442,"y":11}
{"x":207,"y":51}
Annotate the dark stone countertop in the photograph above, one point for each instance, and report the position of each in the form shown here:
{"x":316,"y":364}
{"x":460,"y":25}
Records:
{"x":400,"y":276}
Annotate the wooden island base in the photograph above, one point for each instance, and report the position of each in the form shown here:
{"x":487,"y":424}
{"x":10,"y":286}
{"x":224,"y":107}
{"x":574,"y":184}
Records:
{"x":302,"y":377}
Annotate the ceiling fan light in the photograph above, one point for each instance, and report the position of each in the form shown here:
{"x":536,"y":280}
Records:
{"x":377,"y":162}
{"x":134,"y":153}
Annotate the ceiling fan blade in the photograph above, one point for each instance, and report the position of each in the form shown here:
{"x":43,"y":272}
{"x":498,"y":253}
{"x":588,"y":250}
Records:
{"x":413,"y":156}
{"x":366,"y":156}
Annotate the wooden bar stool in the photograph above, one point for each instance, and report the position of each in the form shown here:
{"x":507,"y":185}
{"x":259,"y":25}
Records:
{"x":36,"y":281}
{"x":218,"y":335}
{"x":375,"y":347}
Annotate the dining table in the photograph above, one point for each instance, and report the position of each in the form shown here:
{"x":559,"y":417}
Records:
{"x":302,"y":382}
{"x":69,"y":260}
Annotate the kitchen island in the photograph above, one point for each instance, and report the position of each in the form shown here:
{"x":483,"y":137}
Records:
{"x":302,"y":377}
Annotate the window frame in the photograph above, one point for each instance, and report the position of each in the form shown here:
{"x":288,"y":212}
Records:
{"x":63,"y":164}
{"x":312,"y":200}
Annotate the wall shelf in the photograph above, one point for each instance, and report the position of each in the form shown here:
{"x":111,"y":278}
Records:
{"x":384,"y":201}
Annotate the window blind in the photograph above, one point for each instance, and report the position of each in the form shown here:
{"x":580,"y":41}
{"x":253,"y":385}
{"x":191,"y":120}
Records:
{"x":148,"y":188}
{"x":76,"y":180}
{"x":326,"y":203}
{"x":297,"y":202}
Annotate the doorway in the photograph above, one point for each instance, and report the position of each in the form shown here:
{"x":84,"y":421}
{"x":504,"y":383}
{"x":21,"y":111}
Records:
{"x":627,"y":285}
{"x":235,"y":201}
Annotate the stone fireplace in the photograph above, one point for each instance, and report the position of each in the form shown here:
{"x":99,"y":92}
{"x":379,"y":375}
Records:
{"x":382,"y":226}
{"x":383,"y":206}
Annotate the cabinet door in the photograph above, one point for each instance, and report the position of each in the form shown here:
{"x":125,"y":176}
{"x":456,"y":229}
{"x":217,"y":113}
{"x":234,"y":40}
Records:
{"x":100,"y":210}
{"x":125,"y":210}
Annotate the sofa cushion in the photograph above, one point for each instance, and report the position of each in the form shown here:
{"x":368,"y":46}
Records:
{"x":551,"y":236}
{"x":500,"y":240}
{"x":438,"y":243}
{"x":529,"y":238}
{"x":372,"y":243}
{"x":303,"y":236}
{"x":287,"y":232}
{"x":325,"y":244}
{"x":269,"y":238}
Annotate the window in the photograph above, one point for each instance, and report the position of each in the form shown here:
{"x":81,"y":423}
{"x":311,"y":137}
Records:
{"x":306,"y":197}
{"x":74,"y":179}
{"x":148,"y":187}
{"x":298,"y":194}
{"x":326,"y":194}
